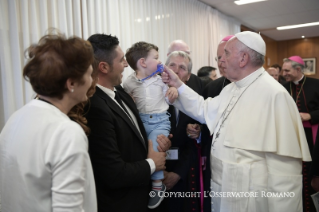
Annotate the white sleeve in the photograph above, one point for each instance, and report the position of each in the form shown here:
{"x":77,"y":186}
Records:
{"x":67,"y":156}
{"x":152,"y":165}
{"x":190,"y":103}
{"x":284,"y":175}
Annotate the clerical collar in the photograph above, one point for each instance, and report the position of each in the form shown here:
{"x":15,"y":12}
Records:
{"x":297,"y":82}
{"x":108,"y":91}
{"x":249,"y":79}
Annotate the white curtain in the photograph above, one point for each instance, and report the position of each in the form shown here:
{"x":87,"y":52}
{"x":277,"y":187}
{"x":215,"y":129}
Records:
{"x":23,"y":22}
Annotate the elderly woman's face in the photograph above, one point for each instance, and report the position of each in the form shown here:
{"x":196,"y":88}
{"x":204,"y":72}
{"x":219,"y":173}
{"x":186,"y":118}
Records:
{"x":80,"y":89}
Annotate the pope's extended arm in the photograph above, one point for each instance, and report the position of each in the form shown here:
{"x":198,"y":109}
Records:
{"x":194,"y":105}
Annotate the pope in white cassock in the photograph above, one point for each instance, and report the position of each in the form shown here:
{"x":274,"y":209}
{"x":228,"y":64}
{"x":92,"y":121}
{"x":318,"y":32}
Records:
{"x":258,"y":139}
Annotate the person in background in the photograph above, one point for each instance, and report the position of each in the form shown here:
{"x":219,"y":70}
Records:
{"x":282,"y":79}
{"x":213,"y":88}
{"x":194,"y":130}
{"x":249,"y":154}
{"x":274,"y":73}
{"x":180,"y":45}
{"x":122,"y":158}
{"x":192,"y":179}
{"x":207,"y":71}
{"x":51,"y":162}
{"x":305,"y":92}
{"x":207,"y":74}
{"x":149,"y":93}
{"x":182,"y":172}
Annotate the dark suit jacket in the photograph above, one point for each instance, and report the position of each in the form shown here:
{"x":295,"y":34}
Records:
{"x":214,"y":88}
{"x":118,"y":153}
{"x":180,"y":139}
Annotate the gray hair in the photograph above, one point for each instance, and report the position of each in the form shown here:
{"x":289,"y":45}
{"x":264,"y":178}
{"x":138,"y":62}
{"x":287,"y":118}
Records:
{"x":256,"y":58}
{"x":294,"y":64}
{"x":183,"y":55}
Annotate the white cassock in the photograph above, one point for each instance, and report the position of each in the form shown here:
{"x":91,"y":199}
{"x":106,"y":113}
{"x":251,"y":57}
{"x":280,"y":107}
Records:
{"x":260,"y":147}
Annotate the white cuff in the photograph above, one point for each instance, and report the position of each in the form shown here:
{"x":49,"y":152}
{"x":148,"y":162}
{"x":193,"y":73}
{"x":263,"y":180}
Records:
{"x":181,"y":89}
{"x":152,"y":164}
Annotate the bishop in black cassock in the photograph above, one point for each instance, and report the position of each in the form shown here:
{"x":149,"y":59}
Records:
{"x":305,"y":91}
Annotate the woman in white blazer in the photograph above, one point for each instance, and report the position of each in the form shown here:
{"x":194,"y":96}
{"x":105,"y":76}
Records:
{"x":44,"y":161}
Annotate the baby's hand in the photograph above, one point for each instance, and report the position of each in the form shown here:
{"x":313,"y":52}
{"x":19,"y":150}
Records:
{"x":172,"y":94}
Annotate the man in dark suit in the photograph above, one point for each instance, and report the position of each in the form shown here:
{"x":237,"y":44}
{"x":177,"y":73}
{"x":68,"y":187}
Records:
{"x":179,"y":175}
{"x":122,"y":158}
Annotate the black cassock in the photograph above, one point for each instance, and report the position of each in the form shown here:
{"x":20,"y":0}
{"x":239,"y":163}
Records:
{"x":187,"y":166}
{"x":306,"y":96}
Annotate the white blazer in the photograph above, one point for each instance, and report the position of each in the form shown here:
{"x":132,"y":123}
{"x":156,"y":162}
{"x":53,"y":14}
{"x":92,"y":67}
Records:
{"x":44,"y":162}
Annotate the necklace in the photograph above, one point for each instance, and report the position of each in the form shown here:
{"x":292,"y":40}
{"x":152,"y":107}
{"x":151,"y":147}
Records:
{"x":299,"y":91}
{"x":223,"y":114}
{"x":39,"y":98}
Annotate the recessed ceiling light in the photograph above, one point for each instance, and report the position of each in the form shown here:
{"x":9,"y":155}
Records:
{"x":303,"y":36}
{"x":241,"y":2}
{"x":297,"y":26}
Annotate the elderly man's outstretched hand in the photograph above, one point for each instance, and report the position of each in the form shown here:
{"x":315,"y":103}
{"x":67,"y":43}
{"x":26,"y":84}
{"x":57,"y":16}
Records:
{"x":170,"y":78}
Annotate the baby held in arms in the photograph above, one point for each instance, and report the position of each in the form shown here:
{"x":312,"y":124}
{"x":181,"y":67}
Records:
{"x":152,"y":98}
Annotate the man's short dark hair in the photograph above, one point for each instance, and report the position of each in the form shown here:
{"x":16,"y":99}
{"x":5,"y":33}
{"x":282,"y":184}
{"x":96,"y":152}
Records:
{"x":276,"y":66}
{"x":104,"y":46}
{"x":205,"y":71}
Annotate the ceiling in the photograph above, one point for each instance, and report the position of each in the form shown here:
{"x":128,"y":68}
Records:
{"x":265,"y":16}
